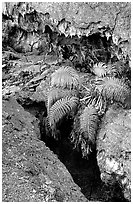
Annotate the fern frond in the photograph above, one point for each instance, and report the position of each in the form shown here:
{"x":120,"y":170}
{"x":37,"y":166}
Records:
{"x":62,"y":108}
{"x":47,"y":126}
{"x":55,"y":133}
{"x":94,"y":97}
{"x":99,"y":69}
{"x":84,"y":130}
{"x":65,"y":77}
{"x":115,"y":89}
{"x":112,"y":70}
{"x":88,"y":123}
{"x":58,"y":93}
{"x":117,"y":69}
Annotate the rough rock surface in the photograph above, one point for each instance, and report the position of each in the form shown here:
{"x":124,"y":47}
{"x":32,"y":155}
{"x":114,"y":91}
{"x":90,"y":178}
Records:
{"x":114,"y":17}
{"x":31,"y":172}
{"x":114,"y":149}
{"x":27,"y":79}
{"x":95,"y":15}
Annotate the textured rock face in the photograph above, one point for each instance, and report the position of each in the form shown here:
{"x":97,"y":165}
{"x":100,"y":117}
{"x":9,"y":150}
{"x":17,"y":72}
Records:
{"x":114,"y":149}
{"x":113,"y":18}
{"x":31,"y":172}
{"x":94,"y":16}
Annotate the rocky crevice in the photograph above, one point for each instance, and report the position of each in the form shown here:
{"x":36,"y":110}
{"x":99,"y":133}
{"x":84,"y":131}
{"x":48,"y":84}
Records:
{"x":86,"y":173}
{"x":29,"y":164}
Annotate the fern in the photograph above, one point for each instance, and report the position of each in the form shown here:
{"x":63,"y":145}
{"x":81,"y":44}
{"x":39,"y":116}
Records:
{"x":62,"y":108}
{"x":114,"y":89}
{"x":117,"y":69}
{"x":65,"y":77}
{"x":84,"y":130}
{"x":58,"y":93}
{"x":94,"y":97}
{"x":88,"y":128}
{"x":47,"y":126}
{"x":99,"y":69}
{"x":112,"y":70}
{"x":55,"y":133}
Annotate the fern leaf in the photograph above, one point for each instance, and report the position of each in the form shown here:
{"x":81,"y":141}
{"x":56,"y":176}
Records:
{"x":112,"y":70}
{"x":47,"y":126}
{"x":88,"y":123}
{"x":55,"y":133}
{"x":75,"y":133}
{"x":118,"y":69}
{"x":84,"y":130}
{"x":62,"y":108}
{"x":58,"y":93}
{"x":94,"y":97}
{"x":65,"y":77}
{"x":115,"y":89}
{"x":99,"y":69}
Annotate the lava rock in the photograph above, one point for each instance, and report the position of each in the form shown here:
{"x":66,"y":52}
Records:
{"x":31,"y":172}
{"x":114,"y":149}
{"x":113,"y":18}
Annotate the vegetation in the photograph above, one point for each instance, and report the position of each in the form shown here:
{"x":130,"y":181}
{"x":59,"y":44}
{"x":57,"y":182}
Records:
{"x":64,"y":102}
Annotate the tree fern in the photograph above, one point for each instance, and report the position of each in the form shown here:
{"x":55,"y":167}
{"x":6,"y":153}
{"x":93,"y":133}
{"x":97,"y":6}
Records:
{"x":115,"y":89}
{"x":65,"y":77}
{"x":62,"y":108}
{"x":88,"y":128}
{"x":58,"y":93}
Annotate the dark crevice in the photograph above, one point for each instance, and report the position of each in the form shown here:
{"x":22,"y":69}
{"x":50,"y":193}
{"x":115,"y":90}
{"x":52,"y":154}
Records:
{"x":85,"y":172}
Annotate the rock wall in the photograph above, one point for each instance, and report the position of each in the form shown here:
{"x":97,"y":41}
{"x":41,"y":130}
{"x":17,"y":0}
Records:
{"x":31,"y":172}
{"x":114,"y":149}
{"x":116,"y":16}
{"x":113,"y":17}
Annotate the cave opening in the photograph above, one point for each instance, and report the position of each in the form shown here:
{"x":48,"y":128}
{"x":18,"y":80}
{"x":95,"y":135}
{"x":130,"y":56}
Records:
{"x":85,"y":51}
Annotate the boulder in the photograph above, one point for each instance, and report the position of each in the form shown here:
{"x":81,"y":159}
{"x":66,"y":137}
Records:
{"x":114,"y":149}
